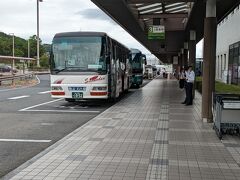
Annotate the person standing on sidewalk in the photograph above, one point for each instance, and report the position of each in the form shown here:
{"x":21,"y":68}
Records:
{"x":185,"y":70}
{"x":181,"y":78}
{"x":190,"y":78}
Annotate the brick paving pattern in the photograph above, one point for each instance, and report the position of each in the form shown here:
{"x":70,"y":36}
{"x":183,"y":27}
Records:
{"x":149,"y":135}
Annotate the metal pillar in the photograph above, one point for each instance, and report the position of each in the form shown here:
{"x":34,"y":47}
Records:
{"x":209,"y":60}
{"x":185,"y":54}
{"x":192,"y":49}
{"x":13,"y":50}
{"x":38,"y":48}
{"x":179,"y":62}
{"x":28,"y":62}
{"x":192,"y":54}
{"x":182,"y":58}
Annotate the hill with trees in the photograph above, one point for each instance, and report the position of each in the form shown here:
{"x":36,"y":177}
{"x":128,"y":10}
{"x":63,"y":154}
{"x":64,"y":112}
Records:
{"x":21,"y":47}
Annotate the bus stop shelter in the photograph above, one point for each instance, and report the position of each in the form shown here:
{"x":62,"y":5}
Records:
{"x":12,"y":60}
{"x":180,"y":24}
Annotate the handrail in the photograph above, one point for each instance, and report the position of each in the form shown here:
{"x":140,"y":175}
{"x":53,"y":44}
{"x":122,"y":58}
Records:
{"x":17,"y":58}
{"x":12,"y":78}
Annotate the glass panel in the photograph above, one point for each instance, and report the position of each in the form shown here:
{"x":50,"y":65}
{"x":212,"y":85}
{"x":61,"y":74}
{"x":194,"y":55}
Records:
{"x":137,"y":62}
{"x":235,"y":51}
{"x":78,"y":54}
{"x":235,"y":74}
{"x":239,"y":69}
{"x":235,"y":60}
{"x":230,"y":56}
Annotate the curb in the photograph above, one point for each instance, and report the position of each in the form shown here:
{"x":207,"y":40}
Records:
{"x":41,"y":73}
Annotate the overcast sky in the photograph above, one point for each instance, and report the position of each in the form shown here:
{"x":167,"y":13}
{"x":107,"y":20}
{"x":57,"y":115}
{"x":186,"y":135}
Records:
{"x":19,"y":17}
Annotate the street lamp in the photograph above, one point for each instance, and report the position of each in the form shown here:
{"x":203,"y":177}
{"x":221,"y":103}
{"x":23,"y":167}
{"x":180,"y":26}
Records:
{"x":13,"y":48}
{"x":28,"y":48}
{"x":38,"y":58}
{"x":28,"y":53}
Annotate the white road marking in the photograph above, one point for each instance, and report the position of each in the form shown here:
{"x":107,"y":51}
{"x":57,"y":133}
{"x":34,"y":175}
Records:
{"x":18,"y":97}
{"x":31,"y":107}
{"x":44,"y":92}
{"x":39,"y":81}
{"x":61,"y":111}
{"x":25,"y":140}
{"x":81,"y":107}
{"x":47,"y":124}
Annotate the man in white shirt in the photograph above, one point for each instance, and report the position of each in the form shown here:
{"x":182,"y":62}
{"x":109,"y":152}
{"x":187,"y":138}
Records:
{"x":190,"y":78}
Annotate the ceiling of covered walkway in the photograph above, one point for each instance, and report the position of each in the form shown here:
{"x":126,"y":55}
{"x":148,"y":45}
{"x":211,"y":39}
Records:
{"x":178,"y":17}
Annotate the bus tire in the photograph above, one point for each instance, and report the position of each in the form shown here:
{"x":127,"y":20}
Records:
{"x":123,"y":84}
{"x":112,"y":100}
{"x":128,"y":86}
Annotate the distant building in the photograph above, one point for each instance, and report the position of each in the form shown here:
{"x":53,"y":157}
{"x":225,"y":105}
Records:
{"x":152,"y":61}
{"x":228,"y":48}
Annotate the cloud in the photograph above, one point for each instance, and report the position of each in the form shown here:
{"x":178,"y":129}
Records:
{"x":95,"y":14}
{"x":60,"y":16}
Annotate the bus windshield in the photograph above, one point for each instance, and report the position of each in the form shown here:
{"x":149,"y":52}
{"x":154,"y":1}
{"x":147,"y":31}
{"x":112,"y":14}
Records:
{"x":136,"y":61}
{"x":78,"y":54}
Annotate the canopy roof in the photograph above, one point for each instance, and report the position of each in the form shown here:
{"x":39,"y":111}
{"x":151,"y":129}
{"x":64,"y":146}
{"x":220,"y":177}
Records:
{"x":177,"y":16}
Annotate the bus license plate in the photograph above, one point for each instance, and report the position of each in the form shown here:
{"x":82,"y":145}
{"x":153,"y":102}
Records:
{"x":77,"y":95}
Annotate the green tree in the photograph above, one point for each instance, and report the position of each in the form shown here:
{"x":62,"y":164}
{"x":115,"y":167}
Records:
{"x":21,"y":47}
{"x":5,"y":47}
{"x":33,"y":46}
{"x":44,"y":61}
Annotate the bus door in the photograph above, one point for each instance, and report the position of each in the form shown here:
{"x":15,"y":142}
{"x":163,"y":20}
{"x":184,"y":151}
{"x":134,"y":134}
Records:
{"x":113,"y":85}
{"x":124,"y":72}
{"x":118,"y":73}
{"x":109,"y":65}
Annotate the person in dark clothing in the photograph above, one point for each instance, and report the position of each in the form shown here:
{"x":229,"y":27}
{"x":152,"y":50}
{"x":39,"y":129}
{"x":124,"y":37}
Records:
{"x":185,"y":85}
{"x":190,"y":78}
{"x":181,"y":78}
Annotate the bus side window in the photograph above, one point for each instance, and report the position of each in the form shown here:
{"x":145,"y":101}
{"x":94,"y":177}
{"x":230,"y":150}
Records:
{"x":109,"y":45}
{"x":108,"y":51}
{"x":114,"y":51}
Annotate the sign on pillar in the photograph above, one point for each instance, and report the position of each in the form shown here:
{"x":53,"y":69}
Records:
{"x":156,"y":32}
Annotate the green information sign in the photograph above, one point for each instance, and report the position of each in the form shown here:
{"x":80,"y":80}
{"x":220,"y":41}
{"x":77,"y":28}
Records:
{"x":156,"y":32}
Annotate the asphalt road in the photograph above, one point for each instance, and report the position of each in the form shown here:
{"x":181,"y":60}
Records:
{"x":30,"y":121}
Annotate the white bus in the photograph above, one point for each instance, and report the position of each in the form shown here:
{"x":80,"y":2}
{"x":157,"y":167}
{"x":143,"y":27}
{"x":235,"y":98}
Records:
{"x":88,"y":65}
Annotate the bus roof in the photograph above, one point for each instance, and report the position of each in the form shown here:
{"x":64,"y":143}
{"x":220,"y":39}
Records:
{"x":135,"y":51}
{"x":85,"y":33}
{"x":79,"y":33}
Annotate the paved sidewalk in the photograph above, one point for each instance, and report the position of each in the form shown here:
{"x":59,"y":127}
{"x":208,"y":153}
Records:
{"x":149,"y":135}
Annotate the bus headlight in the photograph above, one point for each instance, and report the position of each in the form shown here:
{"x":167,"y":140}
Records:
{"x":99,"y":88}
{"x":57,"y":88}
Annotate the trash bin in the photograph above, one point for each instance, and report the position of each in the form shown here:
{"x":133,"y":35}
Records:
{"x":226,"y":114}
